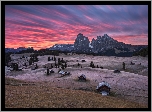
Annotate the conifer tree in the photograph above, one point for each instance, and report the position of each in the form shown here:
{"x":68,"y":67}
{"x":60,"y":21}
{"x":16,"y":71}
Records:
{"x":30,"y":61}
{"x":54,"y":58}
{"x":123,"y":65}
{"x":58,"y":59}
{"x":47,"y":71}
{"x":36,"y":66}
{"x":48,"y":58}
{"x":65,"y":64}
{"x":51,"y":66}
{"x":62,"y":66}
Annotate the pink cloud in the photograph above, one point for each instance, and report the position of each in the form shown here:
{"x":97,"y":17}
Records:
{"x":89,"y":18}
{"x":27,"y":29}
{"x":132,"y":39}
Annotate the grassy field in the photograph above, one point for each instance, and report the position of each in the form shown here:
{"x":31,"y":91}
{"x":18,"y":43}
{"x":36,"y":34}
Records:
{"x":129,"y":88}
{"x":21,"y":94}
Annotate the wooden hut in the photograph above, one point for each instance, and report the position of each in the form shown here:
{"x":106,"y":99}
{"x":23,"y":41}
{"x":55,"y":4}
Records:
{"x":82,"y":77}
{"x":63,"y":73}
{"x":103,"y":88}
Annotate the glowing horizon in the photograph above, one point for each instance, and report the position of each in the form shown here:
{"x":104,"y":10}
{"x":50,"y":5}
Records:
{"x":41,"y":27}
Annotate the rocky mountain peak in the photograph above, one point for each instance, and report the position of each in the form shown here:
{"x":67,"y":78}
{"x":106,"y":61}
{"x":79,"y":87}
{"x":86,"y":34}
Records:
{"x":81,"y":43}
{"x":80,"y":35}
{"x":93,"y":39}
{"x":99,"y":37}
{"x":107,"y":37}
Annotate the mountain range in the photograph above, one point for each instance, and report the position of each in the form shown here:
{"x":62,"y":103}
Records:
{"x":102,"y":45}
{"x":12,"y":50}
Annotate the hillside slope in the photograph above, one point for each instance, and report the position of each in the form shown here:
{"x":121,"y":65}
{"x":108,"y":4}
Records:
{"x":143,"y":52}
{"x":21,"y":94}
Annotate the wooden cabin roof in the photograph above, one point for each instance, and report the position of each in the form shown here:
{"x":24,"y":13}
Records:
{"x":103,"y":83}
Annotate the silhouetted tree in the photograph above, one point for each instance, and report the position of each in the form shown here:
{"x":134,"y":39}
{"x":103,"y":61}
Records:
{"x":23,"y":56}
{"x":51,"y":66}
{"x":30,"y":61}
{"x":54,"y":58}
{"x":59,"y":62}
{"x":35,"y":58}
{"x":7,"y":58}
{"x":92,"y":64}
{"x":15,"y":66}
{"x":25,"y":64}
{"x":62,"y":66}
{"x":48,"y":58}
{"x":123,"y":64}
{"x":58,"y":59}
{"x":36,"y":66}
{"x":47,"y":71}
{"x":65,"y":65}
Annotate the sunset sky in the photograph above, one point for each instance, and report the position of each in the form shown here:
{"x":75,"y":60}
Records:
{"x":42,"y":26}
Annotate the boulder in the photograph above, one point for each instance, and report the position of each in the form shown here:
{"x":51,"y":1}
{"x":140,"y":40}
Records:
{"x":116,"y":71}
{"x":132,"y":63}
{"x":83,"y":61}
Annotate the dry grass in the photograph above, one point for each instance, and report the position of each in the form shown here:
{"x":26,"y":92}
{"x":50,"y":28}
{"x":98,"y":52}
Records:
{"x":43,"y":96}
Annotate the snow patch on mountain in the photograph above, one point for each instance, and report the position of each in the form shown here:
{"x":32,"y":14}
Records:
{"x":90,"y":45}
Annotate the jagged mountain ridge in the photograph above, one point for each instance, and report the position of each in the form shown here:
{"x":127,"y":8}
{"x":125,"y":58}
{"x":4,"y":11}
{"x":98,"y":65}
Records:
{"x":104,"y":45}
{"x":105,"y":42}
{"x":81,"y":43}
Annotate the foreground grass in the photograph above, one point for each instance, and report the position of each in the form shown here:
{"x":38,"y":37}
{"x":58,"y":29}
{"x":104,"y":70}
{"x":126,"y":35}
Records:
{"x":42,"y":96}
